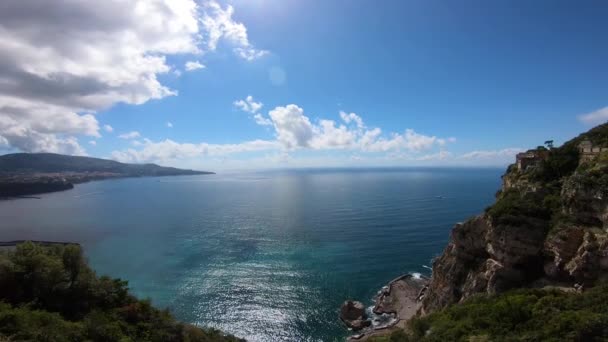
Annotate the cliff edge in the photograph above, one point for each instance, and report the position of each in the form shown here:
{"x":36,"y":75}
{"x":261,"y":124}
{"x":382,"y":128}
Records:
{"x":548,"y":227}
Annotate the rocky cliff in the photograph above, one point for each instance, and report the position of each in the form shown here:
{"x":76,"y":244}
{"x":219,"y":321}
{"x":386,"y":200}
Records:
{"x":548,"y":227}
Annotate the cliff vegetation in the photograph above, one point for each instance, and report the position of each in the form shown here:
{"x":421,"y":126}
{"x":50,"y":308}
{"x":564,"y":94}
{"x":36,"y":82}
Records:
{"x":534,"y":265}
{"x":518,"y":315}
{"x":48,"y":293}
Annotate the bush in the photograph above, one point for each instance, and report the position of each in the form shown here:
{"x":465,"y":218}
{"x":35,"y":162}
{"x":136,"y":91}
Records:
{"x":560,"y":162}
{"x":521,"y":315}
{"x":516,"y":209}
{"x":50,"y":294}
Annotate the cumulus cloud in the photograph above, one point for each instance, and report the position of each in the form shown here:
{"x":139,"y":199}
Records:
{"x":130,"y":135}
{"x":596,"y":117}
{"x":62,"y":63}
{"x":169,"y":150}
{"x":93,"y":142}
{"x":108,"y":128}
{"x":193,"y":65}
{"x":219,"y":25}
{"x":352,"y":117}
{"x":294,"y":130}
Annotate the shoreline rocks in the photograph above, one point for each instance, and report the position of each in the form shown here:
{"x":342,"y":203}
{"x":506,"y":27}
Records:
{"x":399,"y":300}
{"x":352,"y":313}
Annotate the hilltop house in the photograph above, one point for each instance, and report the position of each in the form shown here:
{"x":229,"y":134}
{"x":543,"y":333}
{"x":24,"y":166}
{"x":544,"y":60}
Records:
{"x":530,"y":158}
{"x":588,"y":152}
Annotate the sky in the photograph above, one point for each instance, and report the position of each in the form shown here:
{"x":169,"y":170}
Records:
{"x":257,"y":84}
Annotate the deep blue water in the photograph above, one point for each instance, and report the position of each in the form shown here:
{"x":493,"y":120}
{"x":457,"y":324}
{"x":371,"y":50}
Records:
{"x":267,"y":256}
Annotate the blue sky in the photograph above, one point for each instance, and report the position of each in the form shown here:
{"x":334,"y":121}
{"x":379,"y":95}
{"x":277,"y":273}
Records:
{"x":417,"y":82}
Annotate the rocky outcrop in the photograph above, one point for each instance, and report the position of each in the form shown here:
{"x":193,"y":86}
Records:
{"x":482,"y":258}
{"x":557,"y":234}
{"x":352,"y":313}
{"x":585,"y":197}
{"x":560,"y":248}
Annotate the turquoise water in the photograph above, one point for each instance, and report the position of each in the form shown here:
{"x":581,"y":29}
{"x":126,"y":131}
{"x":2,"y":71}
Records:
{"x":267,"y":256}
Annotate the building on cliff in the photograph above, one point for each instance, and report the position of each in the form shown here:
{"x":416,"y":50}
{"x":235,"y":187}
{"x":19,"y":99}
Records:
{"x":530,"y":158}
{"x":588,"y":152}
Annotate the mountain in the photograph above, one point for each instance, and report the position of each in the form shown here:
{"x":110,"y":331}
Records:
{"x":24,"y":163}
{"x":534,"y":265}
{"x":24,"y":174}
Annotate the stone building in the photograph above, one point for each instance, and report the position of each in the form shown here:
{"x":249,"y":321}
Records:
{"x":530,"y":158}
{"x":588,"y":152}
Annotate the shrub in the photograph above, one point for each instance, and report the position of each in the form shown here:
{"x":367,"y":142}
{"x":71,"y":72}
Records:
{"x":50,"y":294}
{"x":520,"y":315}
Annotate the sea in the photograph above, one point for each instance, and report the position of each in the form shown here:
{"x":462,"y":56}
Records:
{"x":267,"y":256}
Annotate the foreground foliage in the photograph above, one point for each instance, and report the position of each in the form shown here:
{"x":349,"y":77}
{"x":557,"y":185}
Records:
{"x":50,"y":294}
{"x":521,"y":315}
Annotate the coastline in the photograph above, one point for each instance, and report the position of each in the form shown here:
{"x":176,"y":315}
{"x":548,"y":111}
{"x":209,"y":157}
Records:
{"x":400,"y":299}
{"x":62,"y":182}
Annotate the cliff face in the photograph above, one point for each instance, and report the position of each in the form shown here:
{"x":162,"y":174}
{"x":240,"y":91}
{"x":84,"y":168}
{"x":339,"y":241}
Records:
{"x":547,"y":227}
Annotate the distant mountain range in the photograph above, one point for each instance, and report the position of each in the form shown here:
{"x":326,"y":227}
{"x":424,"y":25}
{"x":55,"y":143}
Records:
{"x":24,"y":174}
{"x":28,"y":163}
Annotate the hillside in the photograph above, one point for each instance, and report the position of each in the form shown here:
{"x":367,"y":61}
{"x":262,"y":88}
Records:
{"x":27,"y":163}
{"x":546,"y":230}
{"x":24,"y":174}
{"x":48,"y":293}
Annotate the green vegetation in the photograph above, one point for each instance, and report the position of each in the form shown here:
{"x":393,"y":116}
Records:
{"x":521,"y":315}
{"x":597,"y":135}
{"x":539,"y":205}
{"x":50,"y":294}
{"x":560,"y":162}
{"x":516,"y":209}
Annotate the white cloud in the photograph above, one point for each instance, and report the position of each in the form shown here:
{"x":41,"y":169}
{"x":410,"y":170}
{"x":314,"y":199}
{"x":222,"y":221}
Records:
{"x":261,"y":120}
{"x":108,"y":128}
{"x":507,"y":154}
{"x":352,"y":117}
{"x":594,"y":118}
{"x":169,"y":124}
{"x":62,"y":63}
{"x":93,"y":142}
{"x":294,"y":131}
{"x":130,"y":135}
{"x":219,"y":25}
{"x":326,"y":135}
{"x":248,"y":105}
{"x":410,"y":140}
{"x":293,"y":128}
{"x":193,"y":65}
{"x":169,"y":150}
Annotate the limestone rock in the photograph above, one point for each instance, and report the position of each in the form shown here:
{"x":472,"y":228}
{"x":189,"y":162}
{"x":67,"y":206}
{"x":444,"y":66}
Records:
{"x":585,"y":265}
{"x":352,"y":313}
{"x":559,"y":249}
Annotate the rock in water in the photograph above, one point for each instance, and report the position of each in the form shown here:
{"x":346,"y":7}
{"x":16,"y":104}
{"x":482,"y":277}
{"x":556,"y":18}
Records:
{"x":352,"y":313}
